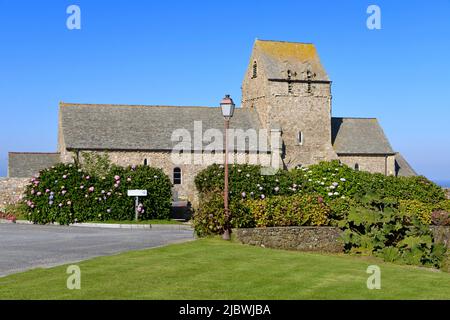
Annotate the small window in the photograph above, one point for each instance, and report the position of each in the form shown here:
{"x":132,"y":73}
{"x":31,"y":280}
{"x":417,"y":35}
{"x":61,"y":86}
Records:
{"x":145,"y":162}
{"x":356,"y":166}
{"x":255,"y":70}
{"x":176,"y":176}
{"x":290,"y":87}
{"x":300,"y":138}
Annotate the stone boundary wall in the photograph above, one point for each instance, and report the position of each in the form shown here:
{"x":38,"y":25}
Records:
{"x":11,"y":190}
{"x":447,"y":192}
{"x":316,"y":239}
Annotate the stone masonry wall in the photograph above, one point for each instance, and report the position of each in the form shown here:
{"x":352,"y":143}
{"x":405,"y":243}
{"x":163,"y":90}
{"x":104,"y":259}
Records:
{"x":371,"y":163}
{"x":11,"y":190}
{"x":319,"y":239}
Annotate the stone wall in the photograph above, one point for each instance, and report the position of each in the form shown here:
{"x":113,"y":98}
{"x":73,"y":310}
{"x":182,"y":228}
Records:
{"x":318,"y":239}
{"x":371,"y":163}
{"x":11,"y":190}
{"x":447,"y":192}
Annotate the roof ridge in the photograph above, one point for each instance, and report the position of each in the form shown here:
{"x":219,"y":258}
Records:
{"x":283,"y":41}
{"x":18,"y":152}
{"x":69,"y":104}
{"x":362,"y":118}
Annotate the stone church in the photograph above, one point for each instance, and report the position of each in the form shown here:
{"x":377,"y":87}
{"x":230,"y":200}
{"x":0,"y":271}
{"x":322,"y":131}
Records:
{"x":285,"y":90}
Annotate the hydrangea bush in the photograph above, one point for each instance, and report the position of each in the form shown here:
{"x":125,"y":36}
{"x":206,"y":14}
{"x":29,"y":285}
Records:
{"x":66,"y":194}
{"x":330,"y":180}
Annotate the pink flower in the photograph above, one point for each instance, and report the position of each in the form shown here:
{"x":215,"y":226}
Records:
{"x":81,"y":187}
{"x":47,"y":190}
{"x":91,"y":189}
{"x":63,"y":192}
{"x":88,"y":177}
{"x":64,"y":177}
{"x":116,"y":178}
{"x":39,"y":193}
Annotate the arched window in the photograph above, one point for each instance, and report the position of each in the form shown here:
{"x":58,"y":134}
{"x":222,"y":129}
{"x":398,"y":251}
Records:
{"x":145,"y":162}
{"x":177,"y":176}
{"x":356,"y":166}
{"x":255,"y":69}
{"x":300,"y":138}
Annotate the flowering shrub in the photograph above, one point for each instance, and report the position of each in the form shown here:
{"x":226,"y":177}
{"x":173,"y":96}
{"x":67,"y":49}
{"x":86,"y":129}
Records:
{"x":7,"y":216}
{"x":415,"y":208}
{"x":278,"y":211}
{"x":330,"y":180}
{"x":66,"y":194}
{"x":209,"y":219}
{"x":284,"y":211}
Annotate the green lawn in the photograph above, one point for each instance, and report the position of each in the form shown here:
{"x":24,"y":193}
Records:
{"x":215,"y":269}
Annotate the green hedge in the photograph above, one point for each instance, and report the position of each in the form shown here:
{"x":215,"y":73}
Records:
{"x":66,"y":194}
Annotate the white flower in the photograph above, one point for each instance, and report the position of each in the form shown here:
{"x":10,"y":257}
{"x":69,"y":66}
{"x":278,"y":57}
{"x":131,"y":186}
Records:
{"x":263,"y":196}
{"x":247,"y":175}
{"x":322,"y":183}
{"x":336,"y":193}
{"x":239,"y":170}
{"x":335,"y":184}
{"x":276,"y":189}
{"x":309,"y":180}
{"x":342,"y":179}
{"x":332,"y":187}
{"x":243,"y":194}
{"x":330,"y":193}
{"x":260,"y":188}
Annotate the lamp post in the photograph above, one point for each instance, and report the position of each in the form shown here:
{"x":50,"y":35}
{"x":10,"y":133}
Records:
{"x":227,"y":106}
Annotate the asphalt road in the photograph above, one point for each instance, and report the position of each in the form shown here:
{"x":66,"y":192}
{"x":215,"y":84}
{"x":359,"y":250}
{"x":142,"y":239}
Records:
{"x":24,"y":247}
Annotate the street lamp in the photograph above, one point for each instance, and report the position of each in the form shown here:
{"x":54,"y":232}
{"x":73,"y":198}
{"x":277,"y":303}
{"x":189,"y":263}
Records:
{"x":227,"y":106}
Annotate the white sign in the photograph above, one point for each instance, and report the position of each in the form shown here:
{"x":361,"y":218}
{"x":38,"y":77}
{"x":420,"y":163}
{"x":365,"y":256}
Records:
{"x":137,"y":193}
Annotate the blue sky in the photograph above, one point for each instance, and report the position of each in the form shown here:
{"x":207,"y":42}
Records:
{"x":192,"y":52}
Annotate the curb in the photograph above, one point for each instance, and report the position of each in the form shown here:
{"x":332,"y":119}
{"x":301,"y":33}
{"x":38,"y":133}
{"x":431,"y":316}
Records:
{"x":118,"y":225}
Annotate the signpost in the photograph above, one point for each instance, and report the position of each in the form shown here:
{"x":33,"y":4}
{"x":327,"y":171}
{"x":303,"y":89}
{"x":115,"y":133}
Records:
{"x":137,"y":194}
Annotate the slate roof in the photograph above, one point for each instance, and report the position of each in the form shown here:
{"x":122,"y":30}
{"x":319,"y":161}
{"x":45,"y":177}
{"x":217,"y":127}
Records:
{"x":359,"y":136}
{"x":137,"y":127}
{"x":277,"y":57}
{"x":28,"y":164}
{"x":402,"y":167}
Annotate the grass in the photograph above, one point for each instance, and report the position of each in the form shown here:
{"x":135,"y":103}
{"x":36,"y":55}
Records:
{"x":215,"y":269}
